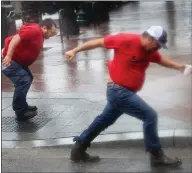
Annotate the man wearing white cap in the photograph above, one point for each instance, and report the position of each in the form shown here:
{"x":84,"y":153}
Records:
{"x":132,"y":56}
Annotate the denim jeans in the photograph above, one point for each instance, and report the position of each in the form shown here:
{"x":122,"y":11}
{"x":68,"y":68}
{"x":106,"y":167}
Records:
{"x":122,"y":100}
{"x":22,"y":79}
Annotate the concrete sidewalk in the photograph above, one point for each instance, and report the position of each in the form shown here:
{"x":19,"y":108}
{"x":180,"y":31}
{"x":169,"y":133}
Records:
{"x":62,"y":116}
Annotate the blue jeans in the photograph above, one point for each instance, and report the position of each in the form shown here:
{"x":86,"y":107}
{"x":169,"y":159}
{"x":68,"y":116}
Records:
{"x":22,"y":79}
{"x":122,"y":100}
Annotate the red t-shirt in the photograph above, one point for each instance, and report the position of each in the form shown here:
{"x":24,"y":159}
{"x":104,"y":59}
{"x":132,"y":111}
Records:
{"x":30,"y":46}
{"x":130,"y":60}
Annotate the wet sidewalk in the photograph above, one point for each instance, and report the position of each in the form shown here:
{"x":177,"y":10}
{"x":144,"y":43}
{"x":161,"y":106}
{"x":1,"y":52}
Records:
{"x":64,"y":115}
{"x":70,"y":95}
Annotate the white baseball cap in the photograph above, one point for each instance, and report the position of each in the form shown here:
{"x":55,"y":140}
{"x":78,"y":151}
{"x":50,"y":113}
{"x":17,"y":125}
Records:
{"x":159,"y":34}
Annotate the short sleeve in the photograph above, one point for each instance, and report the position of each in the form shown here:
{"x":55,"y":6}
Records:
{"x":113,"y":41}
{"x":155,"y":57}
{"x":28,"y":32}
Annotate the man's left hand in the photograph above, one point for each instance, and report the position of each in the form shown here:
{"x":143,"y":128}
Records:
{"x":187,"y":70}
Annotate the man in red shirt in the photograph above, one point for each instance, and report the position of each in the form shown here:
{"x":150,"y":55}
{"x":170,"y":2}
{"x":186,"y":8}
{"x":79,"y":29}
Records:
{"x":132,"y":55}
{"x":19,"y":52}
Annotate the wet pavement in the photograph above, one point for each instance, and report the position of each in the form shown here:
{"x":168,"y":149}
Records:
{"x":112,"y":160}
{"x":70,"y":94}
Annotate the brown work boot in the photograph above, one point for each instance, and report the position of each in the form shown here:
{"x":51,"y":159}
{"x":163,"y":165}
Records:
{"x":158,"y":158}
{"x":78,"y":153}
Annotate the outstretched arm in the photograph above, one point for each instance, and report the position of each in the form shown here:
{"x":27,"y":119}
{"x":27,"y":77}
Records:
{"x":86,"y":46}
{"x":169,"y":63}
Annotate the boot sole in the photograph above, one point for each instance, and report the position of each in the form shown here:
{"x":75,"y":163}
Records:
{"x":166,"y":165}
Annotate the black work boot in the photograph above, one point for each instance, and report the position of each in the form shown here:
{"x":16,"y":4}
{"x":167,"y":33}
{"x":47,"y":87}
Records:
{"x":78,"y":153}
{"x":158,"y":158}
{"x":32,"y":108}
{"x":26,"y":116}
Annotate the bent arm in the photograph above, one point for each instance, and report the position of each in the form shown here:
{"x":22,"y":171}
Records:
{"x":12,"y":45}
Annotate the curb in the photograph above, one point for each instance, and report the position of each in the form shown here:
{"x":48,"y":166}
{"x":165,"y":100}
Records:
{"x":180,"y":138}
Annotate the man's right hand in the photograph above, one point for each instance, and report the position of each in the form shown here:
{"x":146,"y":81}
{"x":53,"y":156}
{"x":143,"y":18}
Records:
{"x":7,"y":61}
{"x":70,"y":54}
